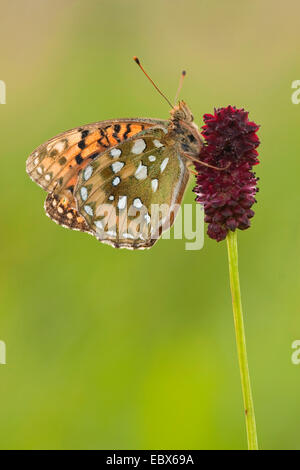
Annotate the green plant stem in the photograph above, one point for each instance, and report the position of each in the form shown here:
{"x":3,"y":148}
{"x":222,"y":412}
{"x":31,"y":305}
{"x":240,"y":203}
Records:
{"x":240,"y":339}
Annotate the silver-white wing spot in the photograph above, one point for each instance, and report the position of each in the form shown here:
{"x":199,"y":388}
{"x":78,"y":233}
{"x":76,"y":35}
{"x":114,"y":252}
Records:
{"x":157,"y":143}
{"x":128,"y":235}
{"x":99,"y":224}
{"x":141,"y":172}
{"x":115,"y":153}
{"x":137,"y":203}
{"x":88,"y":172}
{"x":83,"y":193}
{"x":88,"y":210}
{"x":164,"y":164}
{"x":152,"y":158}
{"x":117,"y":166}
{"x":138,"y":146}
{"x":154,"y":184}
{"x":116,"y":181}
{"x":122,"y":202}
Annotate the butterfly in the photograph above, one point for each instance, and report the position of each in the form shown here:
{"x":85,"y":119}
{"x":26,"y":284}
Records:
{"x":120,"y":180}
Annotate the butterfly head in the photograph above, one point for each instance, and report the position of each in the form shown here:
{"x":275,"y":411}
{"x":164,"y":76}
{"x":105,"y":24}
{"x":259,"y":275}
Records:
{"x":185,"y":131}
{"x":181,"y":112}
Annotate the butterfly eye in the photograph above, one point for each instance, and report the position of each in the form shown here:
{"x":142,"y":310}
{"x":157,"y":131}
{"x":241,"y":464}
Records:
{"x":186,"y":141}
{"x":191,"y":138}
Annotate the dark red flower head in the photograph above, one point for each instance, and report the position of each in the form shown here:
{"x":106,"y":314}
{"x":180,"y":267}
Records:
{"x":227,"y":194}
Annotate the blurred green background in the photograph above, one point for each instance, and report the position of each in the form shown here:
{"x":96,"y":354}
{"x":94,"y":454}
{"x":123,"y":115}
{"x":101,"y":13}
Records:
{"x":111,"y":349}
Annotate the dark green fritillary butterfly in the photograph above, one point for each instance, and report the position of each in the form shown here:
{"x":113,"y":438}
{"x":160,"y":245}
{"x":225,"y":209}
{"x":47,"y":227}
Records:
{"x":108,"y":178}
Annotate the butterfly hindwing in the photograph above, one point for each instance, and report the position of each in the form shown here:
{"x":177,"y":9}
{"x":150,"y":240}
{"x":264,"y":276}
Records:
{"x":128,"y":194}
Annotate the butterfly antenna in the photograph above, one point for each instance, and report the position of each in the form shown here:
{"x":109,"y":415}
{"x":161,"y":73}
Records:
{"x":183,"y":74}
{"x":155,"y":86}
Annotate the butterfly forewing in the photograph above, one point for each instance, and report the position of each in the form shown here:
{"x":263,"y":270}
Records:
{"x":55,"y":165}
{"x":128,"y":194}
